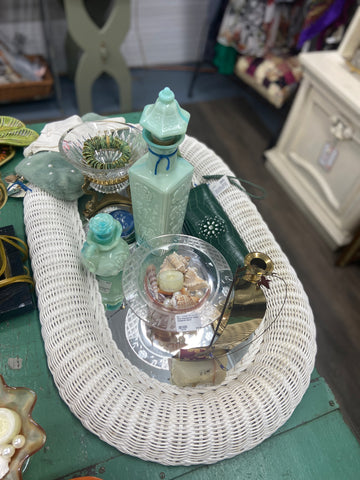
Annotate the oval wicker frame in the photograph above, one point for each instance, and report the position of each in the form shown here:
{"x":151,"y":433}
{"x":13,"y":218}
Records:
{"x":141,"y":416}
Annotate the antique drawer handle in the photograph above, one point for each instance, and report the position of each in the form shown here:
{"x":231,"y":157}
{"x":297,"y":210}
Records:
{"x":339,"y":129}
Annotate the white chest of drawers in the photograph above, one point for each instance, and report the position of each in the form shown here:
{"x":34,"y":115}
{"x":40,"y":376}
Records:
{"x":317,"y":157}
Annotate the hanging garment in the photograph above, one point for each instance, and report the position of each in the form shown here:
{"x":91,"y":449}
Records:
{"x":242,"y":26}
{"x":258,"y":27}
{"x":322,"y":15}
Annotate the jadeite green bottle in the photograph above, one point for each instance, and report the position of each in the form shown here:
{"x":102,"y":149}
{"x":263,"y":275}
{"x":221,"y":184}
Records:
{"x":105,"y":253}
{"x":160,"y":181}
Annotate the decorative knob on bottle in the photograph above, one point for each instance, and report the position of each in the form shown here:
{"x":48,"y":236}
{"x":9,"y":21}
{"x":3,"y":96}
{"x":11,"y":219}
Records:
{"x":165,"y":119}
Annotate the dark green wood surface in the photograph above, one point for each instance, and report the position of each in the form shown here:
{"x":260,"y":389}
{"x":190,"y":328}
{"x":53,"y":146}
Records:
{"x":315,"y":443}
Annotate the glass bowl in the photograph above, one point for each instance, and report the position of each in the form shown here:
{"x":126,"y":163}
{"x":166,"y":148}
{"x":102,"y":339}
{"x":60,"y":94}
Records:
{"x":21,"y":400}
{"x":195,"y":303}
{"x":105,"y":176}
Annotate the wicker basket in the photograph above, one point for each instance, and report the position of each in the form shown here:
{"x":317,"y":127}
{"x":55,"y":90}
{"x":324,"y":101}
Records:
{"x":120,"y":403}
{"x":23,"y":91}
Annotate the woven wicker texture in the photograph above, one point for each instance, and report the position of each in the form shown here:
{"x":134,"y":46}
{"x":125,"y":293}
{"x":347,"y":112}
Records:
{"x":122,"y":405}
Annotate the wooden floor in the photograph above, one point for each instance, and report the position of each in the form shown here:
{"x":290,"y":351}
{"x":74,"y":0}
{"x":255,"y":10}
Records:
{"x":238,"y":136}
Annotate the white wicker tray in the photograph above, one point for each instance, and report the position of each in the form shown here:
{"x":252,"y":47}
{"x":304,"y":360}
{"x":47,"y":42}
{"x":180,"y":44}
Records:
{"x":124,"y":406}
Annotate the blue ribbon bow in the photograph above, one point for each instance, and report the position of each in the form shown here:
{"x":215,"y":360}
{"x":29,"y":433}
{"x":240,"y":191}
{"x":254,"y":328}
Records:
{"x":160,"y":157}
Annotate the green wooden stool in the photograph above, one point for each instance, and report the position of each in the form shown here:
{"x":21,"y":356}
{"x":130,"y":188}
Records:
{"x":101,"y":51}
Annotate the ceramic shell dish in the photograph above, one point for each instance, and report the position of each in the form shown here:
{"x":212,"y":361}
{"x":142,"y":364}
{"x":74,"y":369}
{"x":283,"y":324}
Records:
{"x":22,"y":401}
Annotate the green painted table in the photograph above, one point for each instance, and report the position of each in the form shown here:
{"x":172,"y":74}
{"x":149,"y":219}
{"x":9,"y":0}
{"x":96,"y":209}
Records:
{"x":315,"y":443}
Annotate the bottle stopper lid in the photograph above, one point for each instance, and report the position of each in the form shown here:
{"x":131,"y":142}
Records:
{"x":103,"y":227}
{"x":165,"y":118}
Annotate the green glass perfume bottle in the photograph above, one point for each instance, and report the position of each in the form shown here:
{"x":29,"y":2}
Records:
{"x":160,"y":181}
{"x":105,"y":253}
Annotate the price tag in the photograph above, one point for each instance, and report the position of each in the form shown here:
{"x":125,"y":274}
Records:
{"x":219,"y":186}
{"x":187,"y":322}
{"x":328,"y":156}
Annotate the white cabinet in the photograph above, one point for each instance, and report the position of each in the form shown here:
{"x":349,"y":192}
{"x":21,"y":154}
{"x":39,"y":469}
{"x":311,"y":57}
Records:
{"x":317,"y":157}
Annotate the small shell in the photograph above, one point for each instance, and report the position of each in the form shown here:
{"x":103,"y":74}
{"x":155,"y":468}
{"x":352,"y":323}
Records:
{"x":152,"y":281}
{"x":166,"y":265}
{"x":192,"y":281}
{"x":185,"y":300}
{"x":175,"y":262}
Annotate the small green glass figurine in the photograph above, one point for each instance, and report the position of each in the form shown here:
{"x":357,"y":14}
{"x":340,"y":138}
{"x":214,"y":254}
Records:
{"x":105,"y":253}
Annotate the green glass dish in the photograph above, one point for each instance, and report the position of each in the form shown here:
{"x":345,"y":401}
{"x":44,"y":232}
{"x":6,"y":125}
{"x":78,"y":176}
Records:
{"x":14,"y":132}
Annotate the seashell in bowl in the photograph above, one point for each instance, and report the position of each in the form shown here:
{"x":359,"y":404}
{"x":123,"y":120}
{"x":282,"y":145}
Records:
{"x":177,"y":286}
